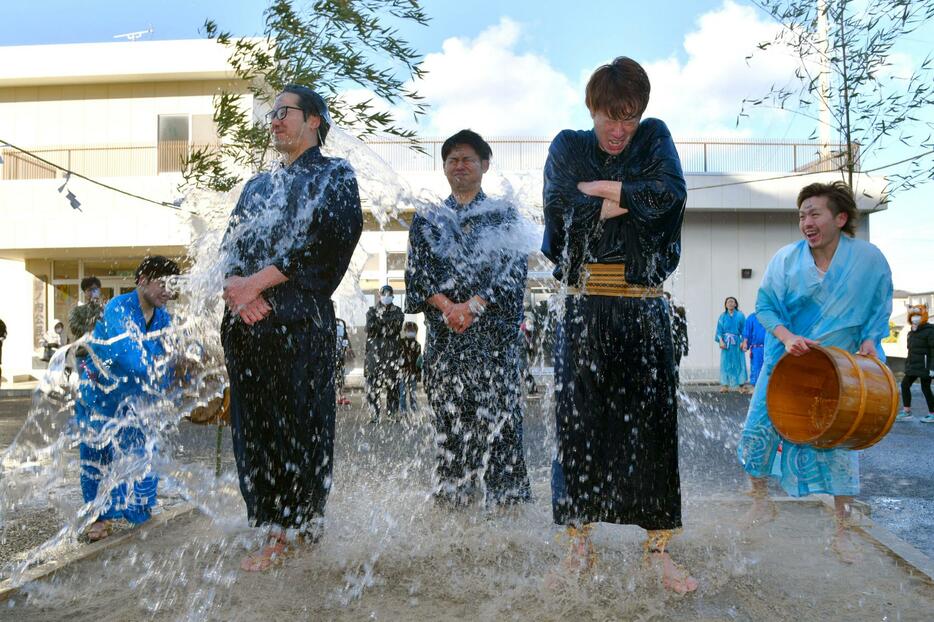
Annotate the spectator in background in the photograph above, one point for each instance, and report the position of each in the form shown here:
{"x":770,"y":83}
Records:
{"x":53,"y":339}
{"x":527,"y":329}
{"x":83,"y":316}
{"x":2,"y":339}
{"x":754,"y":343}
{"x":411,"y":368}
{"x":920,"y":363}
{"x":343,"y":352}
{"x":729,"y":335}
{"x":383,"y":354}
{"x":679,"y":331}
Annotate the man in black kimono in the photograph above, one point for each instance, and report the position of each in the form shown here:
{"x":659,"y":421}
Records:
{"x":287,"y":246}
{"x":614,"y":201}
{"x":467,"y":276}
{"x":382,"y":368}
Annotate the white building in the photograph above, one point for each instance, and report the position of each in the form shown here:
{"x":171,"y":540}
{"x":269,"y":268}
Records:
{"x":123,"y":113}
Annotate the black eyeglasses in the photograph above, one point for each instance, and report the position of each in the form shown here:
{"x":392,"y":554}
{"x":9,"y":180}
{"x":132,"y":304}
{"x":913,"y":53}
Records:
{"x":281,"y":113}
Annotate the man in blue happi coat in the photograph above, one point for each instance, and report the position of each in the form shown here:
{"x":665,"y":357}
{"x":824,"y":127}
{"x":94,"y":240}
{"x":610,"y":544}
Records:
{"x":466,"y":273}
{"x":754,"y":343}
{"x":614,"y":200}
{"x":126,"y":369}
{"x":828,"y":289}
{"x":286,"y":249}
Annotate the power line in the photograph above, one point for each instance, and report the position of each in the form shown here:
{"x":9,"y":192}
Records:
{"x":72,"y":173}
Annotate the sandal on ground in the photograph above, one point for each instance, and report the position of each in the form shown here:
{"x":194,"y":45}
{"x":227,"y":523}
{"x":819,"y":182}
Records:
{"x":99,"y":530}
{"x":271,"y":554}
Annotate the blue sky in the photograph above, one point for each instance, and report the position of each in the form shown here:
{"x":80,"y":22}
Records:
{"x":518,"y":68}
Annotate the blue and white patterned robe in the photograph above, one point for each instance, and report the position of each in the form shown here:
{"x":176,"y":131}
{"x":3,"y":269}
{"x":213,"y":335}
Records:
{"x":848,"y":305}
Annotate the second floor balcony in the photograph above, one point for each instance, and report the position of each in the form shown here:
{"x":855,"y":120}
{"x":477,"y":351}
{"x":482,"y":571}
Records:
{"x":510,"y":154}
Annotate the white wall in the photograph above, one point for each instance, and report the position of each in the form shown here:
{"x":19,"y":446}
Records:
{"x":16,"y":309}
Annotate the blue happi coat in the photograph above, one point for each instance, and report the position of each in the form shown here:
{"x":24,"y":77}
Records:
{"x":845,"y":307}
{"x":732,"y":360}
{"x":127,"y":367}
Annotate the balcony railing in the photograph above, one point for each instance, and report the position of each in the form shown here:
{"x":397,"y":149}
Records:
{"x":509,"y":154}
{"x":96,"y":160}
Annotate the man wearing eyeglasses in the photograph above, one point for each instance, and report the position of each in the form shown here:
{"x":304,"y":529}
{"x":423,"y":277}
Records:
{"x":287,"y":246}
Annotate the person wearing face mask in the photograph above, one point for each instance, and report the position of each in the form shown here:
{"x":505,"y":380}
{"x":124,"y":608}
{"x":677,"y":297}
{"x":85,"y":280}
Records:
{"x":920,"y":362}
{"x":128,"y":364}
{"x":383,"y":354}
{"x":53,"y":339}
{"x":832,"y":289}
{"x":411,"y":359}
{"x":614,"y":199}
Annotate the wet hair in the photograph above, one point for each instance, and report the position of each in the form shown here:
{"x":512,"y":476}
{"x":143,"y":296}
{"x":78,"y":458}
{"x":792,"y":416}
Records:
{"x":619,"y":89}
{"x":90,"y":281}
{"x":839,"y":199}
{"x":733,"y":298}
{"x":469,"y":138}
{"x":311,"y":104}
{"x":156,"y":267}
{"x":410,"y":326}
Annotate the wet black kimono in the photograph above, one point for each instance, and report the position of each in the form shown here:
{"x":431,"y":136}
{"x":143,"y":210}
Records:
{"x":615,"y":405}
{"x":305,"y":219}
{"x":472,"y":379}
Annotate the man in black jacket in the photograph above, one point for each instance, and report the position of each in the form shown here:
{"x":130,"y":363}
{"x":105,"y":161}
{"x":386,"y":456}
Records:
{"x":286,"y":249}
{"x":383,"y":354}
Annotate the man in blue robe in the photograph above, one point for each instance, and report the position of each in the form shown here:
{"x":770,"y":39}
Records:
{"x":125,"y":368}
{"x":287,"y":247}
{"x":466,"y":274}
{"x":831,"y":289}
{"x":614,"y":200}
{"x":754,"y":343}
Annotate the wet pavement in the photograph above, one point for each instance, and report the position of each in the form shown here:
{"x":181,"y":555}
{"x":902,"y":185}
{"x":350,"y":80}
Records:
{"x":896,"y":474}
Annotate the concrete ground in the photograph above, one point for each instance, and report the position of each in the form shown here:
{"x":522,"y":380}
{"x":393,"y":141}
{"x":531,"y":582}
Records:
{"x":390,"y":556}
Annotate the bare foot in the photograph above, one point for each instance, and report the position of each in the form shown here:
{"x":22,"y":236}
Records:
{"x":674,"y":577}
{"x":581,"y":556}
{"x":763,"y":511}
{"x":99,"y":530}
{"x":842,"y":544}
{"x":272,"y":553}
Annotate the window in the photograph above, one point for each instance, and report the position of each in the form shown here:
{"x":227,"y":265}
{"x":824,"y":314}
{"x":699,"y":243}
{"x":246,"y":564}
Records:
{"x":173,"y":141}
{"x":395,"y":261}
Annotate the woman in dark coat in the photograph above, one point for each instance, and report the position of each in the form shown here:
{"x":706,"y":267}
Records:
{"x":920,"y":363}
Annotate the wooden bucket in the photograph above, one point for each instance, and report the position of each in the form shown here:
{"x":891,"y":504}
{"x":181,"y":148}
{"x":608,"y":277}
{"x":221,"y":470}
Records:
{"x":830,"y":398}
{"x":217,"y":411}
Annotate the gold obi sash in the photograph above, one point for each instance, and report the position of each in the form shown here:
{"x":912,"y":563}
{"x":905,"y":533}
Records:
{"x":609,"y":279}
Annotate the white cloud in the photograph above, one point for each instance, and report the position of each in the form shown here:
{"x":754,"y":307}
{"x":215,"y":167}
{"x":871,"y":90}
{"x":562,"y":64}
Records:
{"x":485,"y":84}
{"x":702,"y":96}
